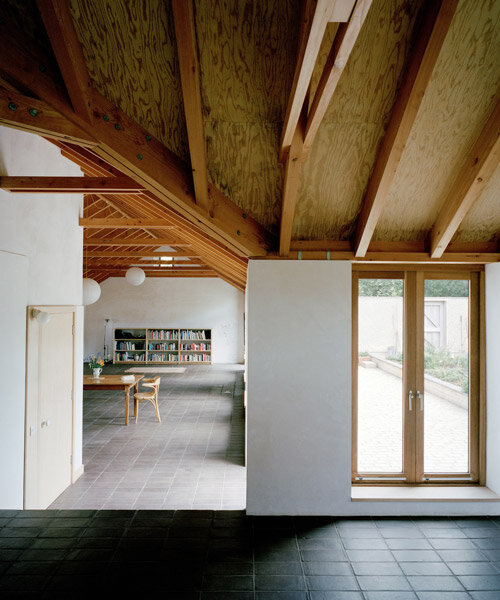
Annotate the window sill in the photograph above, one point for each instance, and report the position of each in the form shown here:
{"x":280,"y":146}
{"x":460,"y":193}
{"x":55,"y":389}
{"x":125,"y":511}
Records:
{"x":422,"y":493}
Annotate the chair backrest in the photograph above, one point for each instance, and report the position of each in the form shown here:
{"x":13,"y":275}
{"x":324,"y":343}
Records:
{"x":152,"y":383}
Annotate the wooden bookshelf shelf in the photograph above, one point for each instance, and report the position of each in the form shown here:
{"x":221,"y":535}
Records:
{"x":155,"y":343}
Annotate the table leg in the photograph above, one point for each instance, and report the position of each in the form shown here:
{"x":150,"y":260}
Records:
{"x":127,"y":397}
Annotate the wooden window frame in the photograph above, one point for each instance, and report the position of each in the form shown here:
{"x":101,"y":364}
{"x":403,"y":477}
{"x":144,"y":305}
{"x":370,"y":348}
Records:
{"x":413,"y":300}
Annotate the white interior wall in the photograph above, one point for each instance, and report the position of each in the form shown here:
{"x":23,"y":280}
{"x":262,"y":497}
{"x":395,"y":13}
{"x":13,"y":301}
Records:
{"x":299,"y":395}
{"x":43,"y":229}
{"x":175,"y":302}
{"x":493,"y":377}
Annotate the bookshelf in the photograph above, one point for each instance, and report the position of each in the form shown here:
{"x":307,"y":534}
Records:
{"x":162,"y":345}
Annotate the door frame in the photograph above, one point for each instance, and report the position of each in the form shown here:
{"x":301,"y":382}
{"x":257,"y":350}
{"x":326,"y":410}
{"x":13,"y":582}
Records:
{"x":413,"y":300}
{"x":30,"y":496}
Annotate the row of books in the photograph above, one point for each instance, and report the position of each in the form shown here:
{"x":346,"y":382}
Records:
{"x":126,"y":357}
{"x":190,"y":334}
{"x":157,"y":346}
{"x":162,"y":334}
{"x":185,"y":346}
{"x":153,"y":357}
{"x":196,"y":357}
{"x":129,"y":346}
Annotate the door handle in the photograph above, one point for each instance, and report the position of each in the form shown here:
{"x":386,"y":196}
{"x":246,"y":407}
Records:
{"x":420,"y":397}
{"x":410,"y":400}
{"x":45,"y":423}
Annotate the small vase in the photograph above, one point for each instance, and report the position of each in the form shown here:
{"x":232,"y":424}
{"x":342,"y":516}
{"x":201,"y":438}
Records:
{"x":96,"y":373}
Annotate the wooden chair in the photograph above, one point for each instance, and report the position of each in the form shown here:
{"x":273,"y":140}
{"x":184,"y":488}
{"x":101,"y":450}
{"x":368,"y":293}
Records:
{"x":151,"y":396}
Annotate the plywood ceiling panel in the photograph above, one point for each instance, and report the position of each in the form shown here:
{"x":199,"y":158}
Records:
{"x":338,"y":166}
{"x":482,"y":223}
{"x":130,"y":51}
{"x":458,"y":101}
{"x":247,"y":50}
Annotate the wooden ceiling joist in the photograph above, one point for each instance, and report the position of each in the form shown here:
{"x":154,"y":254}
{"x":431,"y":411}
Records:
{"x":131,"y":242}
{"x":126,"y":145}
{"x":125,"y":224}
{"x":68,"y":53}
{"x":479,"y":166}
{"x":189,"y":67}
{"x":426,"y":51}
{"x":343,"y":44}
{"x":315,"y":17}
{"x":308,"y":122}
{"x":125,"y":254}
{"x":70,"y":185}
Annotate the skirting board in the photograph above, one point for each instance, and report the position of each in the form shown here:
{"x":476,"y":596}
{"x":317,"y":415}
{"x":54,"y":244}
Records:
{"x":416,"y":493}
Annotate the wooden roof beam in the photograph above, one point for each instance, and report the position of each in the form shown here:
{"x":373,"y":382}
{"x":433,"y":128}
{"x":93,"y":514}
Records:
{"x":129,"y":147}
{"x":478,"y":167}
{"x":71,"y":185}
{"x":187,"y":53}
{"x":315,"y":17}
{"x":340,"y":52}
{"x":131,"y":242}
{"x":307,"y":125}
{"x":34,"y":116}
{"x":125,"y":224}
{"x":425,"y":54}
{"x":124,"y":254}
{"x":69,"y":55}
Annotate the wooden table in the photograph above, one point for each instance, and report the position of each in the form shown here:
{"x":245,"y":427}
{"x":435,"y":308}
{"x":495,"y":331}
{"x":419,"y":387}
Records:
{"x":112,"y":382}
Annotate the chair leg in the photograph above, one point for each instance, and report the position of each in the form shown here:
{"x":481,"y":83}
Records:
{"x":155,"y":404}
{"x":136,"y":409}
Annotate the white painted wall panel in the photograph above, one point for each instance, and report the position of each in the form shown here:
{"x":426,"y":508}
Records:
{"x":299,"y":394}
{"x":177,"y":302}
{"x":43,"y":228}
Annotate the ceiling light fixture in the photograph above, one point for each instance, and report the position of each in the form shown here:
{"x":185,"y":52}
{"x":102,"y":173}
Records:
{"x":91,"y":291}
{"x":135,"y":276}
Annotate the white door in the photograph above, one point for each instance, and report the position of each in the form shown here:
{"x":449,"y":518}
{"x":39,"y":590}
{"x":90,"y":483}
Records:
{"x":49,"y":424}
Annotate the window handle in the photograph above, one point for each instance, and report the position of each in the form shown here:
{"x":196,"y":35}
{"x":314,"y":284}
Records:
{"x":410,"y":400}
{"x":420,"y":397}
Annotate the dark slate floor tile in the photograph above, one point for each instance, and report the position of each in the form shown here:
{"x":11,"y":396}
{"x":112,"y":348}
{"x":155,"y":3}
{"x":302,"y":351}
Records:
{"x":462,"y":555}
{"x":11,"y":542}
{"x":482,"y":532}
{"x":23,"y":582}
{"x":289,"y":595}
{"x":483,"y":595}
{"x":370,"y":556}
{"x":279,"y":582}
{"x":425,"y":568}
{"x":383,"y":583}
{"x":280,"y":568}
{"x":388,"y":595}
{"x":321,"y":543}
{"x":326,"y":568}
{"x":226,"y":596}
{"x":473,"y":568}
{"x":33,"y":568}
{"x":408,"y":544}
{"x":39,"y":554}
{"x":452,"y":544}
{"x":229,"y":583}
{"x":443,"y":596}
{"x":17,"y":532}
{"x":434,"y":583}
{"x":335,"y":595}
{"x":364,"y":544}
{"x":486,"y":543}
{"x":332,"y":582}
{"x":481,"y":582}
{"x":323,"y":555}
{"x":376,"y":568}
{"x":416,"y":556}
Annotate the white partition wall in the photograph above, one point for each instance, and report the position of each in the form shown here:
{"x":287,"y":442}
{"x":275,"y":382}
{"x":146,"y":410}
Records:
{"x":299,"y":381}
{"x":299,"y":395}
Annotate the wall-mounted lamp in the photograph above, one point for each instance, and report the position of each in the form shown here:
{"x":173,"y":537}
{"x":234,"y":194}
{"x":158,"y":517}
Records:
{"x":40,"y":315}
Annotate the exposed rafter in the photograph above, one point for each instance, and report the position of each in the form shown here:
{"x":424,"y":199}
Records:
{"x":307,"y":125}
{"x":187,"y":53}
{"x":427,"y":48}
{"x":315,"y":17}
{"x":125,"y":224}
{"x":479,"y":166}
{"x":68,"y":53}
{"x":70,"y":185}
{"x":343,"y":44}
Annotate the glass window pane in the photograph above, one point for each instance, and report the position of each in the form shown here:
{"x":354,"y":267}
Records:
{"x":380,"y":383}
{"x":446,"y":376}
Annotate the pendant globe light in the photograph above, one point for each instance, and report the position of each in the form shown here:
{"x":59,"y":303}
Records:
{"x":91,"y":291}
{"x":135,"y":276}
